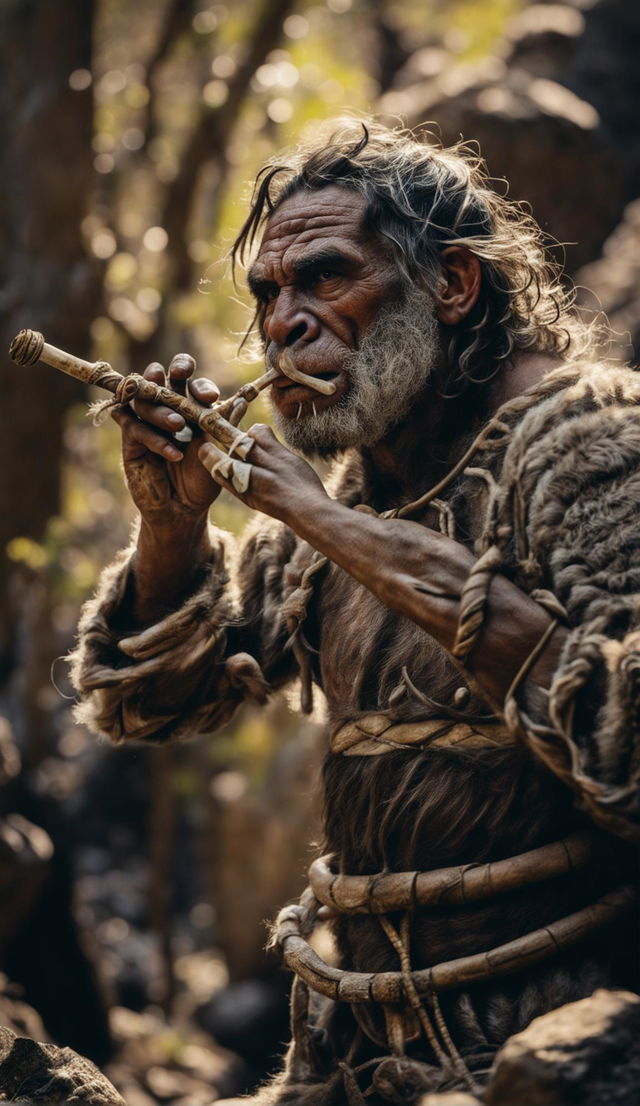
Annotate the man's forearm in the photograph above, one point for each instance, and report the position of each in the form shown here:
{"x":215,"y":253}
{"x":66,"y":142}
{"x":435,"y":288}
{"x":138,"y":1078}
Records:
{"x":420,"y":574}
{"x":165,"y":565}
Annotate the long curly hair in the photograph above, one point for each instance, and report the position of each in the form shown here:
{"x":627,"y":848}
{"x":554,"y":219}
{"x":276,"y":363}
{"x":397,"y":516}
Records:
{"x":423,"y":197}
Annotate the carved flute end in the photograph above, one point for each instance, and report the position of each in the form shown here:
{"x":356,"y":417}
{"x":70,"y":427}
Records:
{"x":26,"y":347}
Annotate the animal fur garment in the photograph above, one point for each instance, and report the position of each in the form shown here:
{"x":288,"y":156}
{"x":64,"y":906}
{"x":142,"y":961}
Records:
{"x":555,"y":490}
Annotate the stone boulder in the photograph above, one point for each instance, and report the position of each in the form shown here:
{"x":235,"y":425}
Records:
{"x":586,"y":1052}
{"x":553,"y":109}
{"x":49,"y":1076}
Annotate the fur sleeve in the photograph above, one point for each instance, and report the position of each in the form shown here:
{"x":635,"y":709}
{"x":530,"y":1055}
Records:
{"x":570,"y":500}
{"x":187,"y":673}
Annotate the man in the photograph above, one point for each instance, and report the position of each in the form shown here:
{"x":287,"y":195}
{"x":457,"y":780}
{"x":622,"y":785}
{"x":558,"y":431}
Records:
{"x":476,"y":645}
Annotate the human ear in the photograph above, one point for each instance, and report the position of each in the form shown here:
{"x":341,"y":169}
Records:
{"x":460,"y":287}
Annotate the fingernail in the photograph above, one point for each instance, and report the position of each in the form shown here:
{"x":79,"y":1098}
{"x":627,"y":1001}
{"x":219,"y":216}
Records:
{"x":172,"y":453}
{"x":184,"y":435}
{"x":182,"y":361}
{"x":175,"y":420}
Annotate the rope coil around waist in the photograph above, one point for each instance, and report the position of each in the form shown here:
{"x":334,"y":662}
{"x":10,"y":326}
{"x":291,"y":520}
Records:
{"x":389,"y":987}
{"x":374,"y":734}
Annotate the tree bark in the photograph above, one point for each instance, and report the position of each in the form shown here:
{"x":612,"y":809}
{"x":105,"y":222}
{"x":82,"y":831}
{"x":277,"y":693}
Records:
{"x":47,"y":279}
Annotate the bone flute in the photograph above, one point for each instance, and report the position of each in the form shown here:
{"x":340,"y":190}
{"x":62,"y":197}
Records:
{"x":29,"y":346}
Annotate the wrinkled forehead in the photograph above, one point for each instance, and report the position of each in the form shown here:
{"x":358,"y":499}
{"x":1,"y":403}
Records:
{"x":332,"y":218}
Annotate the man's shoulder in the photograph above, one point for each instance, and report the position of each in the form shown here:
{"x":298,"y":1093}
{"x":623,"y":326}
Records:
{"x":578,"y":429}
{"x":589,"y":392}
{"x":578,"y":426}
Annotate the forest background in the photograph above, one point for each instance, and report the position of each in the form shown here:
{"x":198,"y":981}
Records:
{"x":136,"y":881}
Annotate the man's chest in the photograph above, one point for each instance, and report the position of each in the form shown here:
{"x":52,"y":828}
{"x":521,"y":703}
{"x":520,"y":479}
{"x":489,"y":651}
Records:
{"x":363,"y":648}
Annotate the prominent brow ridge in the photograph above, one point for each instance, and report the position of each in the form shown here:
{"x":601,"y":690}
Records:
{"x":309,"y":264}
{"x":302,"y":267}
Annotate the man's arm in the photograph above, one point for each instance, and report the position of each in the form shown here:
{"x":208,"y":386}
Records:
{"x":420,"y":574}
{"x":411,"y":569}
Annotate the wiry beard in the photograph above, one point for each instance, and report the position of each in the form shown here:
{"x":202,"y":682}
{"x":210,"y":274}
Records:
{"x":397,"y":357}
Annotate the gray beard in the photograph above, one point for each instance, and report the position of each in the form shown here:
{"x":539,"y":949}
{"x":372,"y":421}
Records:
{"x":397,"y":357}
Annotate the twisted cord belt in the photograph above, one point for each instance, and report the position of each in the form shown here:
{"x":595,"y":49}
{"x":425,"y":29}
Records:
{"x":389,"y":891}
{"x":408,"y":998}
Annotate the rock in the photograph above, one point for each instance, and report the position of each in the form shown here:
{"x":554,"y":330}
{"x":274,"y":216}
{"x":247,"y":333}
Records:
{"x":612,"y":284}
{"x":48,"y":1075}
{"x":258,"y":849}
{"x":586,"y":1052}
{"x":17,"y":1015}
{"x":559,"y":94}
{"x":543,"y":38}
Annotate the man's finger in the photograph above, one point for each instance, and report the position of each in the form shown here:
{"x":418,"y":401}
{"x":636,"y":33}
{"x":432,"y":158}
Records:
{"x":155,"y":413}
{"x":155,"y":372}
{"x":137,"y":437}
{"x":216,"y":462}
{"x":158,"y":415}
{"x":204,"y":390}
{"x":263,"y":434}
{"x":181,"y":369}
{"x":229,"y":472}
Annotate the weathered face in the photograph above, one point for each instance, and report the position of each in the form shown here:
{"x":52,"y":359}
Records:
{"x":321,"y":282}
{"x":332,"y":295}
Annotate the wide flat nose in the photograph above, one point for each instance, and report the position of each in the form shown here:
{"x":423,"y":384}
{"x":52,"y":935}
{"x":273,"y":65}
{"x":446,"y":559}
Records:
{"x":290,"y":321}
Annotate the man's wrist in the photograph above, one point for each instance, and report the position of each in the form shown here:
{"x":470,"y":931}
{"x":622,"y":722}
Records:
{"x":165,"y":564}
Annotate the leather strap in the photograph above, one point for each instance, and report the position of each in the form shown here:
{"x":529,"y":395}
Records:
{"x":374,"y":734}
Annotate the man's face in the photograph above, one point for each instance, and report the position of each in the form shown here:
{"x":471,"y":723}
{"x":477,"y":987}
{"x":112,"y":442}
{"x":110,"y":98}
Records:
{"x":324,"y":288}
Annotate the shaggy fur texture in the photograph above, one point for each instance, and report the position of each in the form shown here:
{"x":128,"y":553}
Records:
{"x":559,"y":499}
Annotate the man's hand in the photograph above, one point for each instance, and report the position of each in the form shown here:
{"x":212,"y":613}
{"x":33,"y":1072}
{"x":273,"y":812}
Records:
{"x":167,"y":482}
{"x":281,"y":484}
{"x":172,"y":491}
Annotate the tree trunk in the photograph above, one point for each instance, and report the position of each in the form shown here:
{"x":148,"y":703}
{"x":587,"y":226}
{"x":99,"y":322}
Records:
{"x":48,"y":281}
